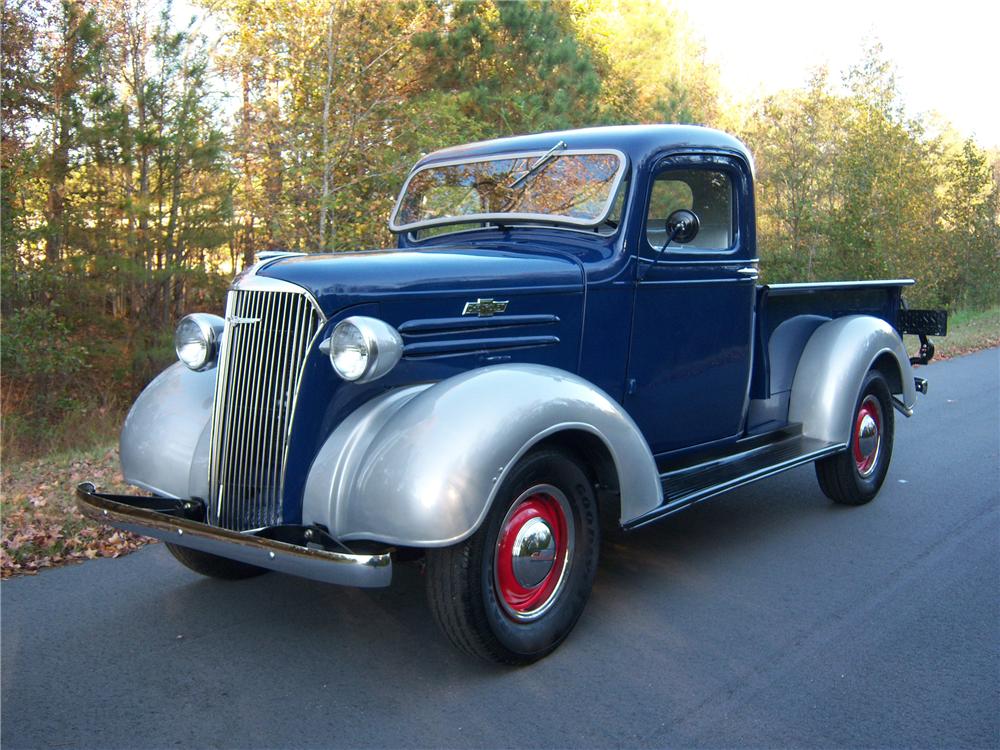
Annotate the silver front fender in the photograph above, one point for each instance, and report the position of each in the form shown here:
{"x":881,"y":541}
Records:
{"x":420,"y":466}
{"x":165,"y":440}
{"x":832,"y":367}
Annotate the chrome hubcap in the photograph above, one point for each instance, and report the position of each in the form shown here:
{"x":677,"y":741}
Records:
{"x":867,"y":436}
{"x":534,"y":552}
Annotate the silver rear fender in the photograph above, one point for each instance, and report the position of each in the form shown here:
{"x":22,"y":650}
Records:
{"x":833,"y":364}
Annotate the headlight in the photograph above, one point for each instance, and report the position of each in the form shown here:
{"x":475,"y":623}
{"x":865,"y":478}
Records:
{"x":363,"y":349}
{"x":196,"y":340}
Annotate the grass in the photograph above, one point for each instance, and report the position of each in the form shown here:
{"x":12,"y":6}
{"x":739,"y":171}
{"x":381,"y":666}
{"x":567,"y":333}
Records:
{"x":81,"y":425}
{"x":43,"y":529}
{"x":968,"y":331}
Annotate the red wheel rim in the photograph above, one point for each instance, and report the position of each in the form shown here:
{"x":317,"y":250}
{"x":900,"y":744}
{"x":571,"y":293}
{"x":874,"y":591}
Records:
{"x":533,"y":552}
{"x":867,"y":436}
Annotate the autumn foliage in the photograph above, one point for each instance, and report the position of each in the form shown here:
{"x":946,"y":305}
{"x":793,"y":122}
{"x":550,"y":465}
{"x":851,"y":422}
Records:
{"x":146,"y":157}
{"x":41,"y":526}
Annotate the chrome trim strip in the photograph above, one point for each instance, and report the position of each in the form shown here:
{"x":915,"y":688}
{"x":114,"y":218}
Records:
{"x":266,"y":256}
{"x":254,"y":283}
{"x":822,"y":285}
{"x":508,"y":217}
{"x":221,"y":385}
{"x":290,"y":414}
{"x":363,"y":570}
{"x":263,"y":260}
{"x":724,"y":263}
{"x":455,"y":347}
{"x":439,"y":326}
{"x":535,"y":225}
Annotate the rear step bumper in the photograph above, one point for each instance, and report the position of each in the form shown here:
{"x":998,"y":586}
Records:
{"x":299,"y":550}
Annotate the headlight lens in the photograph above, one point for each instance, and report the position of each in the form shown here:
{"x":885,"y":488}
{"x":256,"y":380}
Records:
{"x":196,"y":340}
{"x":349,"y":352}
{"x":363,"y":349}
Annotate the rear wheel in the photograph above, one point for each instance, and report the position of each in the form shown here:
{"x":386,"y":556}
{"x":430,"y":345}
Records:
{"x":513,"y":591}
{"x":855,"y":476}
{"x":214,"y":566}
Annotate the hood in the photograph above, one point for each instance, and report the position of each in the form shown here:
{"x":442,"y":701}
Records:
{"x":342,"y":280}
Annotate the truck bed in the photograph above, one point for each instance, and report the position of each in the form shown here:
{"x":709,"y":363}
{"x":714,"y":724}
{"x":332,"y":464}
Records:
{"x":810,"y":305}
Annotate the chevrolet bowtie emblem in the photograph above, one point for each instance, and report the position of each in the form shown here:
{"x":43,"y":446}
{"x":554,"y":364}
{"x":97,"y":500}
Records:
{"x":235,"y":320}
{"x":484,"y":308}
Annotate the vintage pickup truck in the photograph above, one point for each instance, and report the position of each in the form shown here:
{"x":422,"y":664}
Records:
{"x":569,"y":337}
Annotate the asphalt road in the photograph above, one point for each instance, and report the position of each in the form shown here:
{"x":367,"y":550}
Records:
{"x":768,"y":617}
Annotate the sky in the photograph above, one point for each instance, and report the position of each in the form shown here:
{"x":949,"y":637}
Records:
{"x":947,"y":53}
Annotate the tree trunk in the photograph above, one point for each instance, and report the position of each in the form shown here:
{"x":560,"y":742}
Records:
{"x":247,"y":238}
{"x":55,"y":207}
{"x":324,"y":202}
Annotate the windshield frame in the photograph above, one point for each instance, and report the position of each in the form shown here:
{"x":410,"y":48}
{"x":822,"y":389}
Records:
{"x":510,"y":217}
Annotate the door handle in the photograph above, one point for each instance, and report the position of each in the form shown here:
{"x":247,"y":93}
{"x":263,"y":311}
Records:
{"x":747,"y":271}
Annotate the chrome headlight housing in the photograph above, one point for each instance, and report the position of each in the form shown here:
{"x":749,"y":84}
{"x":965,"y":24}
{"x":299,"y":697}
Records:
{"x":196,"y":340}
{"x":363,"y":349}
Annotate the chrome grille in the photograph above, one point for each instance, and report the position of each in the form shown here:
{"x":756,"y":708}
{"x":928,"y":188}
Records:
{"x":267,"y":336}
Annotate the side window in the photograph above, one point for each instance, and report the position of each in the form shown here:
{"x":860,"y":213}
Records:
{"x":707,"y":192}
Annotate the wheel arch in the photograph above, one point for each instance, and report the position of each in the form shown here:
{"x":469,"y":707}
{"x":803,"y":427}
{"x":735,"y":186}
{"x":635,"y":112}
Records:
{"x":888,"y":365}
{"x":597,"y":462}
{"x":420,"y":467}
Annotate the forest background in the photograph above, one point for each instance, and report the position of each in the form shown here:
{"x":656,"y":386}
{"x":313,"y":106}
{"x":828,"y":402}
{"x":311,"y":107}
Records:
{"x":142,"y":164}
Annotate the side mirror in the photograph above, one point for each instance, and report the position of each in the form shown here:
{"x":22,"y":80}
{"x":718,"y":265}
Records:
{"x":682,"y":226}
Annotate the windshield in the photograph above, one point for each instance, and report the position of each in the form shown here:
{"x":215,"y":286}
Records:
{"x":568,"y":187}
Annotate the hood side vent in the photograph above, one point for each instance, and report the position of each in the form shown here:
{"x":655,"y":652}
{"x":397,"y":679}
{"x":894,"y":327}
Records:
{"x":438,"y":326}
{"x":458,"y":347}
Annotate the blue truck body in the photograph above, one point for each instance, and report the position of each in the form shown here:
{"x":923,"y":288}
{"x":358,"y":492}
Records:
{"x":676,"y":343}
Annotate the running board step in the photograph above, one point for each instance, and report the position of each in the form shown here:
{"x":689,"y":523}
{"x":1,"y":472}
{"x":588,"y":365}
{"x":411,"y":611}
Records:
{"x":683,"y":488}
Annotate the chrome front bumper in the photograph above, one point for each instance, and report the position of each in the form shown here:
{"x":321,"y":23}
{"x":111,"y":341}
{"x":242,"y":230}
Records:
{"x":298,"y":550}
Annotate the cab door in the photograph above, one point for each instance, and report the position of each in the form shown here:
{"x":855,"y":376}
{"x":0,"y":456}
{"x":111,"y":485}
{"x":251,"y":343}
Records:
{"x":690,"y":354}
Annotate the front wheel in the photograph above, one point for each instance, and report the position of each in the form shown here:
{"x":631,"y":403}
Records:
{"x":855,"y":476}
{"x":513,"y":591}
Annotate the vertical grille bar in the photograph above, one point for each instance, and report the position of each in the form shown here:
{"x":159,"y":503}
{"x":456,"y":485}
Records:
{"x":267,"y":337}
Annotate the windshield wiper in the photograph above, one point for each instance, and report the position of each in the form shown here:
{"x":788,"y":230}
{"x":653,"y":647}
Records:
{"x":539,"y":165}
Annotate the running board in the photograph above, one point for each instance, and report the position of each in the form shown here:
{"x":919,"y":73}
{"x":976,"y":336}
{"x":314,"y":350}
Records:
{"x":683,"y":488}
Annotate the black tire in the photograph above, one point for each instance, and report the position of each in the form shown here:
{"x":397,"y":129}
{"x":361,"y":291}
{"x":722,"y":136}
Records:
{"x":214,"y":566}
{"x":463,"y":581}
{"x":852,"y":477}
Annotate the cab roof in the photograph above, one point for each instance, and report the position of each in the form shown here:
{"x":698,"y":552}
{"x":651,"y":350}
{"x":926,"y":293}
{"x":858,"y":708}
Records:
{"x":638,"y":142}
